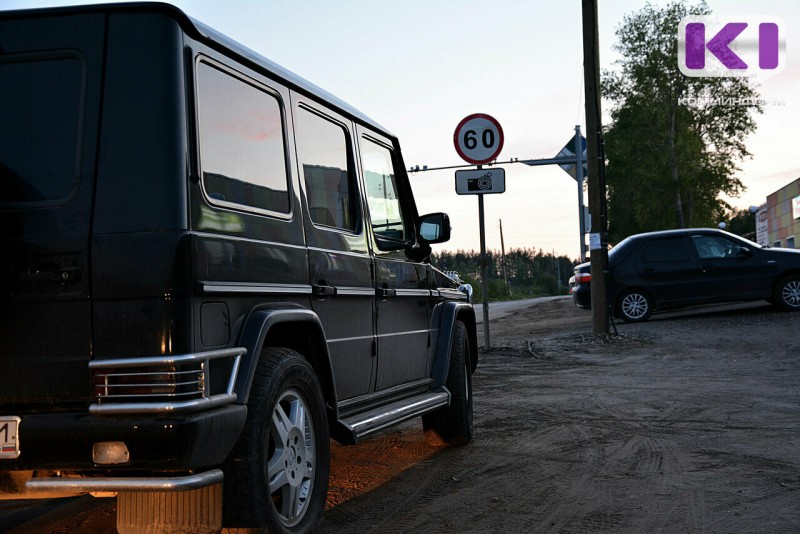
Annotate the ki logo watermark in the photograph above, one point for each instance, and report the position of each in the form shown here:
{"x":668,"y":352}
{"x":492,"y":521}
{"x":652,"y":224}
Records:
{"x":737,"y":46}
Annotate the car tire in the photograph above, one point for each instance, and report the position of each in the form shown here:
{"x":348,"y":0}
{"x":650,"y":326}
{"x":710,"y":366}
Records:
{"x":787,"y":293}
{"x":277,"y":476}
{"x":634,"y":306}
{"x":453,"y":423}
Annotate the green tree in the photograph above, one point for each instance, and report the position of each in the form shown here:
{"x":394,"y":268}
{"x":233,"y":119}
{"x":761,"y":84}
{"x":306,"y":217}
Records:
{"x":531,"y":272}
{"x":674,"y":141}
{"x":742,"y":222}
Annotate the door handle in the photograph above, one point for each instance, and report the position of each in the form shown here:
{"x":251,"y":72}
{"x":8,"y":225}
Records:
{"x":50,"y":273}
{"x":385,"y":292}
{"x":321,"y":291}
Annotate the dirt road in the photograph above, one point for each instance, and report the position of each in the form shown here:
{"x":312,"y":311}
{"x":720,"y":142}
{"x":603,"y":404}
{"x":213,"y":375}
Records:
{"x":687,"y":423}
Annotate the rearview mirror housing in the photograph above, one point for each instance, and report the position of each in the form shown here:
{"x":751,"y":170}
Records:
{"x":434,"y":228}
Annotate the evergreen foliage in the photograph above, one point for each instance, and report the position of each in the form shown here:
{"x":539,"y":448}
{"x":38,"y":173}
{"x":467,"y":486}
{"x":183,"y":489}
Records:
{"x":674,"y":141}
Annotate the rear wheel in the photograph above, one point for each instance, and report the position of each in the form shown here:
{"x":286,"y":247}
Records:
{"x":454,"y":422}
{"x":634,"y":306}
{"x":787,"y":293}
{"x":278,"y":475}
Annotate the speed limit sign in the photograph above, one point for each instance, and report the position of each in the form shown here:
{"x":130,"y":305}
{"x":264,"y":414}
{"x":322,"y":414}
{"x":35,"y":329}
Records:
{"x":478,"y":138}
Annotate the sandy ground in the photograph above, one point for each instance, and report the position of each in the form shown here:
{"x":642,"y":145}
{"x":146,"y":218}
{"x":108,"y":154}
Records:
{"x":686,"y":423}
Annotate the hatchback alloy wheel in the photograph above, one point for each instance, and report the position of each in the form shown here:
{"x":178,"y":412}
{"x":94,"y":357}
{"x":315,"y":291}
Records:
{"x":634,"y":306}
{"x":790,"y":293}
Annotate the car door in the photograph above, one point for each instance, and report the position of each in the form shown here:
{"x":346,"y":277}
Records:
{"x":340,"y":264}
{"x":667,"y":269}
{"x":727,"y":271}
{"x":401,"y":284}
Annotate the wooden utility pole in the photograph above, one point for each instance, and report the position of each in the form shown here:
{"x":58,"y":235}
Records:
{"x":595,"y":162}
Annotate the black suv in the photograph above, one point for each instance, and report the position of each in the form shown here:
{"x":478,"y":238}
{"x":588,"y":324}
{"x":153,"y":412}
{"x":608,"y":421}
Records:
{"x":210,"y":266}
{"x":675,"y":268}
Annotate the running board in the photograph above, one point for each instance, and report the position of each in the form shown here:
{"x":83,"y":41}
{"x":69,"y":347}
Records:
{"x":350,"y":430}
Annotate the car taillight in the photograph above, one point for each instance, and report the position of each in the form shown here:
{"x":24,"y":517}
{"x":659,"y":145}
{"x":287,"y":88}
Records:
{"x":583,"y":278}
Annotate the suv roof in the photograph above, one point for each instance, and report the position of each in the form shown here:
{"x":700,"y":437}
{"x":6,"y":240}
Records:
{"x":219,"y":41}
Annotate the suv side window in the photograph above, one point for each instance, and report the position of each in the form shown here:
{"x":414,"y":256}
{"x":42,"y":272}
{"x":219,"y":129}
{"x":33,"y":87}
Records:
{"x":242,"y":152}
{"x":383,"y":198}
{"x":661,"y":250}
{"x":327,"y":173}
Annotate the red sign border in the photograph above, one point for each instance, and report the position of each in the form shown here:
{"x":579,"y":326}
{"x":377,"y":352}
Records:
{"x":499,"y":144}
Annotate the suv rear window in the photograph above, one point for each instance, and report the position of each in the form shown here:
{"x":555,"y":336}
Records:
{"x":242,"y":149}
{"x":40,"y":127}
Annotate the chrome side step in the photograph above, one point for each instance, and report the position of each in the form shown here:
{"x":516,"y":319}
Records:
{"x":351,"y":429}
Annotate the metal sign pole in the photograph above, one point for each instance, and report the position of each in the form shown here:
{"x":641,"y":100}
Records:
{"x":484,"y":276}
{"x":579,"y":178}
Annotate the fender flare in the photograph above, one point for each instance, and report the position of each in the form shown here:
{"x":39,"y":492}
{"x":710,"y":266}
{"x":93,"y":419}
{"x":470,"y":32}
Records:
{"x":448,"y":313}
{"x":254,"y":333}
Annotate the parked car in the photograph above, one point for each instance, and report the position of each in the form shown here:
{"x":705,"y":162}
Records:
{"x":211,"y":267}
{"x":675,"y":268}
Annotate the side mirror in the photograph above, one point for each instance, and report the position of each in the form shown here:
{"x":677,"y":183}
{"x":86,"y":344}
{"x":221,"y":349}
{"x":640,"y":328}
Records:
{"x":744,"y":252}
{"x":434,"y":228}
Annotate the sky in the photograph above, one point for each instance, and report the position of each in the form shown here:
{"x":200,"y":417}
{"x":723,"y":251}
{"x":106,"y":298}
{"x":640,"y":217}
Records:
{"x":418,"y":67}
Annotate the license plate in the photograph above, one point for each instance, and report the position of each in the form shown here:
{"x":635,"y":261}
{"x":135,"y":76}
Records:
{"x":9,"y":440}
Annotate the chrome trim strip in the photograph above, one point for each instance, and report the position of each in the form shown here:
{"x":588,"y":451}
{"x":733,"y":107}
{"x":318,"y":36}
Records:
{"x":453,"y":294}
{"x":354,"y":338}
{"x":264,"y":289}
{"x":355,"y":291}
{"x":86,"y":485}
{"x":412,"y":292}
{"x":406,"y":333}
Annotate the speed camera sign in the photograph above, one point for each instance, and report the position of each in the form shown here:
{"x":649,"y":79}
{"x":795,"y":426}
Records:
{"x":478,"y":138}
{"x":481,"y":181}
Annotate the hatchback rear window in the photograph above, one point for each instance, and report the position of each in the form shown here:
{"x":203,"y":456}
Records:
{"x":40,"y":128}
{"x":665,"y":250}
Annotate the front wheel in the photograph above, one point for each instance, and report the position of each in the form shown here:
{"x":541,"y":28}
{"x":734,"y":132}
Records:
{"x":453,"y":423}
{"x":277,"y":476}
{"x":787,"y":293}
{"x":634,"y":306}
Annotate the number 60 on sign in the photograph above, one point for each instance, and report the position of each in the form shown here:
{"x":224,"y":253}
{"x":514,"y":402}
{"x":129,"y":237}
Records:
{"x":478,"y":138}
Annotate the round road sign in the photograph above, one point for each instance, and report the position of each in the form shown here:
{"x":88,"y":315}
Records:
{"x":478,"y":138}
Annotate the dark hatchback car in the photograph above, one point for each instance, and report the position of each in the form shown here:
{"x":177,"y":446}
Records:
{"x":676,"y":268}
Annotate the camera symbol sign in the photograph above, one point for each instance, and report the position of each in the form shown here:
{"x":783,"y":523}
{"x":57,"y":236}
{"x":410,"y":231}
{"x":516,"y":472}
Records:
{"x":478,"y":138}
{"x":481,"y":181}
